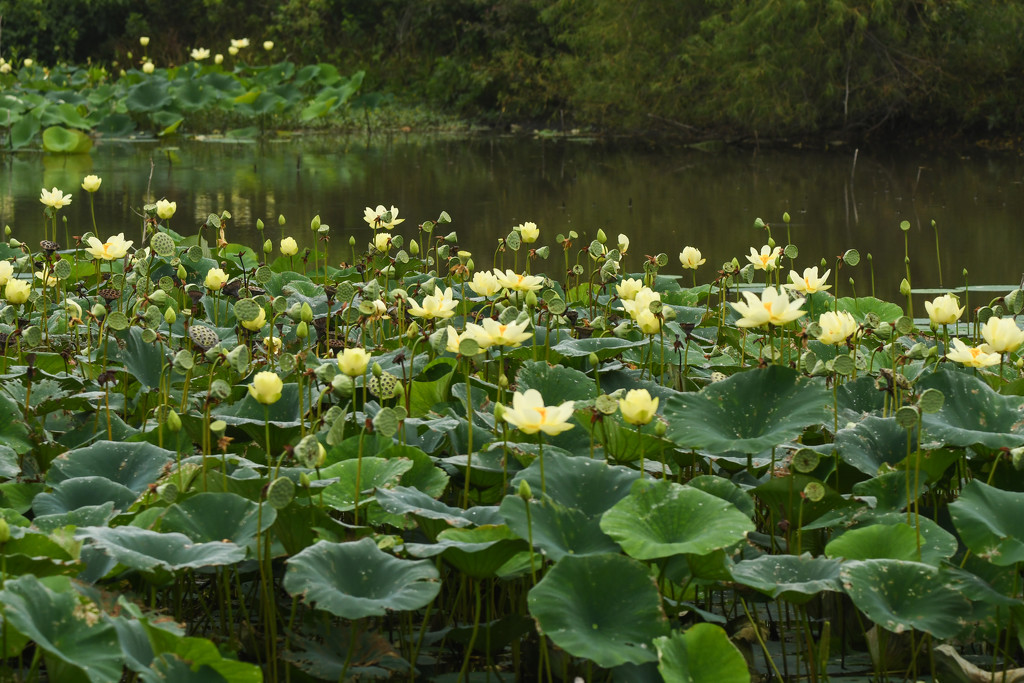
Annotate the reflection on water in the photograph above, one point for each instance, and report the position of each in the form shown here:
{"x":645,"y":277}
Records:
{"x":663,"y":200}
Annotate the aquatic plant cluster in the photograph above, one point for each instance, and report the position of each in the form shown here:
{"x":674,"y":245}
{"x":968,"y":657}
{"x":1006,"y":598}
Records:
{"x":376,"y":461}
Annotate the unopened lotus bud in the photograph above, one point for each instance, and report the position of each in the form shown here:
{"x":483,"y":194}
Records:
{"x":414,"y":247}
{"x":660,"y":428}
{"x":412,"y":330}
{"x":342,"y":385}
{"x":377,"y":370}
{"x":302,"y":330}
{"x":5,"y":531}
{"x":503,"y":381}
{"x":314,"y":224}
{"x":268,"y":247}
{"x":771,"y":242}
{"x":170,"y":316}
{"x":173,"y":422}
{"x":7,"y":231}
{"x":499,"y":413}
{"x":259,"y":224}
{"x":785,"y":216}
{"x":182,"y":272}
{"x":306,"y":312}
{"x":594,"y":360}
{"x":352,"y":241}
{"x":304,"y":480}
{"x":531,"y":299}
{"x":601,"y":237}
{"x":470,"y":266}
{"x":524,"y":491}
{"x":99,"y":311}
{"x":905,"y":287}
{"x":280,"y":219}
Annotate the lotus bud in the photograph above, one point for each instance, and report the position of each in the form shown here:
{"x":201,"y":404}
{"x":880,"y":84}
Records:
{"x":735,"y":263}
{"x":173,"y":422}
{"x":5,"y":531}
{"x":302,"y":330}
{"x":499,"y":413}
{"x":304,"y":480}
{"x":771,"y":242}
{"x":306,"y":313}
{"x":170,"y":316}
{"x":7,"y":231}
{"x":531,"y":299}
{"x":342,"y":385}
{"x":660,"y":428}
{"x":621,"y":330}
{"x":601,"y":237}
{"x":182,"y":272}
{"x":412,"y":330}
{"x":259,"y":224}
{"x":268,"y":247}
{"x":352,"y":241}
{"x":99,"y":311}
{"x":314,"y":224}
{"x":524,"y":491}
{"x":378,"y":371}
{"x":905,"y":287}
{"x":414,"y":247}
{"x":280,"y":219}
{"x":503,"y":381}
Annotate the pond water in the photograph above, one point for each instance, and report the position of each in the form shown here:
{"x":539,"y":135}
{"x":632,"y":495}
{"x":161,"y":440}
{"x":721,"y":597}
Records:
{"x":663,"y":199}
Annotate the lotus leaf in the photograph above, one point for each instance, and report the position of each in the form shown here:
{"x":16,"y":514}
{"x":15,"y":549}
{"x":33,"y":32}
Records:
{"x":988,"y":520}
{"x":701,"y":654}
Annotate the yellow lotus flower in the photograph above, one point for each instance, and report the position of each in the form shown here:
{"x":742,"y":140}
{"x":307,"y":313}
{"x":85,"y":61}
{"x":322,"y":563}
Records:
{"x":289,"y":247}
{"x":257,"y":324}
{"x":690,"y":257}
{"x":768,"y":259}
{"x":268,"y":45}
{"x":515,"y":282}
{"x":218,"y":58}
{"x":529,"y":232}
{"x":166,"y":209}
{"x":973,"y":356}
{"x":266,"y":387}
{"x":648,"y":322}
{"x":529,"y":414}
{"x":54,"y":198}
{"x":46,"y":279}
{"x":944,"y":310}
{"x":492,"y":333}
{"x":353,"y":362}
{"x":232,"y":50}
{"x":1002,"y":334}
{"x":114,"y":248}
{"x":628,"y":288}
{"x":435,"y":306}
{"x":148,"y":67}
{"x":215,"y":279}
{"x":200,"y":53}
{"x":382,"y":242}
{"x":484,"y":283}
{"x":641,"y":302}
{"x":28,"y":62}
{"x":91,"y":183}
{"x":6,"y":272}
{"x":772,"y":308}
{"x":375,"y":217}
{"x":836,"y":328}
{"x":273,"y":345}
{"x":239,"y":43}
{"x":623,"y":244}
{"x":454,"y":340}
{"x":809,"y":282}
{"x":143,"y":41}
{"x":638,"y":408}
{"x":17,"y":291}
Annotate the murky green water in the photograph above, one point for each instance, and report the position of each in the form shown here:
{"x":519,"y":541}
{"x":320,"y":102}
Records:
{"x":663,"y":200}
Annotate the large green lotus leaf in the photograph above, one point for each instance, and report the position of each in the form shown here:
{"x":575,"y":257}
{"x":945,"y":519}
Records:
{"x":877,"y":542}
{"x":283,"y":413}
{"x":187,"y":659}
{"x":89,"y":515}
{"x":605,"y":608}
{"x":555,"y":383}
{"x":80,"y":492}
{"x":478,"y":552}
{"x":13,"y":430}
{"x":588,"y":485}
{"x":860,"y":307}
{"x":661,"y":519}
{"x":357,"y":579}
{"x":423,"y":474}
{"x":603,"y":347}
{"x":701,"y":654}
{"x":147,"y":550}
{"x":24,"y":130}
{"x":404,"y":500}
{"x":789,"y":577}
{"x":859,"y":398}
{"x":56,"y":622}
{"x":147,"y":96}
{"x":218,"y":516}
{"x":872,"y":443}
{"x":65,"y":140}
{"x":989,"y":522}
{"x":889,"y":490}
{"x":557,"y":530}
{"x":899,"y":595}
{"x":726,"y":490}
{"x":375,"y":473}
{"x":135,"y":465}
{"x":142,"y":360}
{"x":782,"y":495}
{"x":749,"y":412}
{"x":430,"y":386}
{"x":972,"y":414}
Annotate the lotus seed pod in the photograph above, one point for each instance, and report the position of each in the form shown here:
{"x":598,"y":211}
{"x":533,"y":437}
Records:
{"x":601,"y":237}
{"x":451,"y":238}
{"x":169,"y":316}
{"x":173,"y":421}
{"x":5,"y":531}
{"x":259,"y":224}
{"x":181,"y":272}
{"x":99,"y":311}
{"x":302,"y":330}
